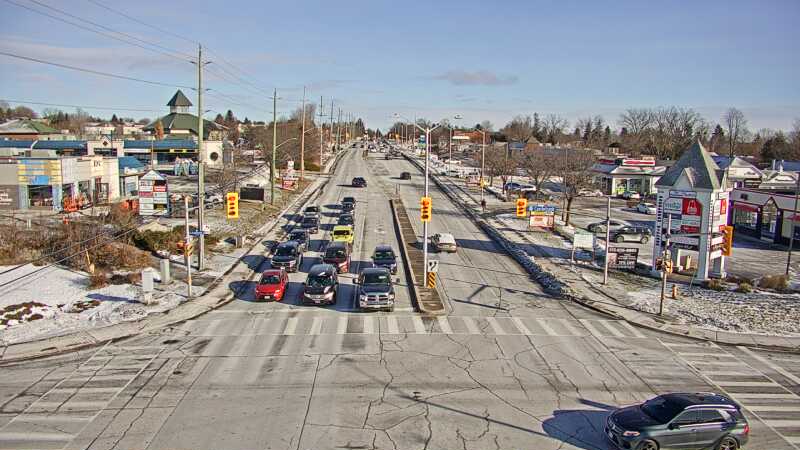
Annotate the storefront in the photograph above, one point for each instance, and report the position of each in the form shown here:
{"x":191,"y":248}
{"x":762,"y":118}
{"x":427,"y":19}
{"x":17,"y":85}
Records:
{"x":764,"y":215}
{"x":617,"y":175}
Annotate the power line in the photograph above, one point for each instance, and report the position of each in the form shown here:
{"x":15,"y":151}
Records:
{"x":161,"y":30}
{"x":95,"y":72}
{"x":169,"y":52}
{"x":108,"y":108}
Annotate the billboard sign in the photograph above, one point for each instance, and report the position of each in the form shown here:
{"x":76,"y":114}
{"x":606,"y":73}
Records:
{"x":623,"y":258}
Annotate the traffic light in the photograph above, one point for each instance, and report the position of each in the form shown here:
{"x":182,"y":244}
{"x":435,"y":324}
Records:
{"x":727,"y":242}
{"x":425,"y":209}
{"x":232,"y":205}
{"x":522,"y":205}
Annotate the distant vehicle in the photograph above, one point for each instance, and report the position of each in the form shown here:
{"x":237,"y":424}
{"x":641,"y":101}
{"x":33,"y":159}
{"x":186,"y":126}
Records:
{"x":631,"y":195}
{"x":631,"y":234}
{"x":384,"y":256}
{"x":345,"y":219}
{"x":646,"y":208}
{"x":311,"y":224}
{"x":359,"y":182}
{"x":311,"y":211}
{"x":272,"y":285}
{"x":300,"y":235}
{"x":288,"y":256}
{"x":348,"y":203}
{"x":600,"y":227}
{"x":337,"y":254}
{"x":444,"y":242}
{"x":590,"y":193}
{"x":322,"y":285}
{"x":405,"y":176}
{"x":679,"y":420}
{"x":375,"y":290}
{"x":538,"y":196}
{"x":343,"y":233}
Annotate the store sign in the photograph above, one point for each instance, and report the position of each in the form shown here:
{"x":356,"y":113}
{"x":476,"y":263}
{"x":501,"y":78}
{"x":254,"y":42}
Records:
{"x":623,"y":258}
{"x":673,"y":205}
{"x":691,"y":207}
{"x":541,"y":221}
{"x":583,"y":239}
{"x":542,"y":210}
{"x":683,"y":194}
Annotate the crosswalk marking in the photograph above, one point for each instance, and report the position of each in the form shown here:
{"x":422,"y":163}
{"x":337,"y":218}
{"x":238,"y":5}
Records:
{"x":472,"y":327}
{"x":775,"y":408}
{"x":610,"y":328}
{"x":746,"y":383}
{"x":342,"y":328}
{"x":391,"y":325}
{"x":495,"y":326}
{"x":793,"y":439}
{"x":521,"y":326}
{"x":783,"y":423}
{"x":547,"y":329}
{"x":707,"y":354}
{"x":316,"y":326}
{"x":291,"y":326}
{"x":419,"y":326}
{"x":771,"y":365}
{"x":369,"y":327}
{"x":573,"y":330}
{"x":633,"y":330}
{"x":753,"y":395}
{"x":444,"y":325}
{"x":700,"y":362}
{"x":588,"y":325}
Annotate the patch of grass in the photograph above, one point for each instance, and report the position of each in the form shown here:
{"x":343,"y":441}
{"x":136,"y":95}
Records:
{"x":715,"y":284}
{"x":744,"y":287}
{"x":777,"y":283}
{"x":98,"y":279}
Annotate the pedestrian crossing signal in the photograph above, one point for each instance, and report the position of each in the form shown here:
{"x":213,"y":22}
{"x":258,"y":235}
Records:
{"x":522,"y":205}
{"x":232,"y":205}
{"x":727,"y":242}
{"x":425,"y":205}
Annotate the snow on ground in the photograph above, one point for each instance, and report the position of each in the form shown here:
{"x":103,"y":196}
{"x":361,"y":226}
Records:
{"x":69,"y":305}
{"x":758,"y":312}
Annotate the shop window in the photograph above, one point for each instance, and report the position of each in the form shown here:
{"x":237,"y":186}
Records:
{"x":40,"y":196}
{"x":769,"y":219}
{"x":746,"y":219}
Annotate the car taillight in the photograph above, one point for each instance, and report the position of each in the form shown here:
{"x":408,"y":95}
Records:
{"x":746,"y":429}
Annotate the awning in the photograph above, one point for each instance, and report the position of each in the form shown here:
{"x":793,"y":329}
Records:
{"x":745,"y":207}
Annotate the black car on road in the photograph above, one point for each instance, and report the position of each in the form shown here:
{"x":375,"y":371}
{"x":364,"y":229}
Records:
{"x":311,"y":224}
{"x":299,"y":235}
{"x":348,"y":203}
{"x":288,"y":255}
{"x":337,"y":254}
{"x":405,"y":176}
{"x":631,"y":234}
{"x":384,"y":256}
{"x":345,"y":219}
{"x":694,"y":421}
{"x":359,"y":182}
{"x":321,"y":286}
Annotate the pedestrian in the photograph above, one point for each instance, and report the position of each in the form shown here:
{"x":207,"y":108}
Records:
{"x":483,"y":205}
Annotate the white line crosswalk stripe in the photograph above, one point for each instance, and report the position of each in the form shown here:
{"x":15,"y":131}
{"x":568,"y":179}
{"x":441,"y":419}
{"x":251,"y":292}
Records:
{"x":589,"y":326}
{"x":521,"y":326}
{"x":607,"y":324}
{"x":498,"y":330}
{"x":342,"y":328}
{"x":291,"y":326}
{"x":419,"y":325}
{"x":316,"y":326}
{"x":444,"y":325}
{"x":546,"y":327}
{"x":472,"y":327}
{"x":369,"y":326}
{"x":391,"y":325}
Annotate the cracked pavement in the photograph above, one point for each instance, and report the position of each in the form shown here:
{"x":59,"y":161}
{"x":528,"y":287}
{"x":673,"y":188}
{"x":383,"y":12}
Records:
{"x":509,"y":367}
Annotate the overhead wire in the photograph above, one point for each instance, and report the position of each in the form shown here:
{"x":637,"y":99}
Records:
{"x":108,"y":108}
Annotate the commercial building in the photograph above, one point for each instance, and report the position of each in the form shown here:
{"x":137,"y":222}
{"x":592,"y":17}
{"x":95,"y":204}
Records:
{"x":28,"y":129}
{"x":615,"y":175}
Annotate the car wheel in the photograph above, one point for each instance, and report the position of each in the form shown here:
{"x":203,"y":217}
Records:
{"x":728,"y":443}
{"x":619,"y":239}
{"x":647,"y":445}
{"x":644,"y":240}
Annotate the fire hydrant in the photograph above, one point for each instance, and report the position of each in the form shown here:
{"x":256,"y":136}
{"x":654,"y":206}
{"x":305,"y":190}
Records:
{"x":674,"y":291}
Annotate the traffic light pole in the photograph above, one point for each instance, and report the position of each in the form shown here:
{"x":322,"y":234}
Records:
{"x":425,"y":223}
{"x":608,"y":239}
{"x":664,"y":254}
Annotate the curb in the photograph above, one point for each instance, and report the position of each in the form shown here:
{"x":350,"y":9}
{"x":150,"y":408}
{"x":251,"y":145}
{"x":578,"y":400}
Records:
{"x":89,"y":338}
{"x":410,"y":277}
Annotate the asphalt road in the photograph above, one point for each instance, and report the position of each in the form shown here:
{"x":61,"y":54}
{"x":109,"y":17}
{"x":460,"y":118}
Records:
{"x":507,"y":368}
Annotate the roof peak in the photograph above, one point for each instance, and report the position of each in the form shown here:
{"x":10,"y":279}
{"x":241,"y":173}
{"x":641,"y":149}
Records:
{"x":179,"y":100}
{"x":701,"y":169}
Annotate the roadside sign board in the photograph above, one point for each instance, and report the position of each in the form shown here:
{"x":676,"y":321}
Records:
{"x":583,"y":239}
{"x":539,"y":209}
{"x":623,"y":258}
{"x":541,"y":221}
{"x":433,"y":265}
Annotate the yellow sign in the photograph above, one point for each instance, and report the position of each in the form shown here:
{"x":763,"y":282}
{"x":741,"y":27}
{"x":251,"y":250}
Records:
{"x":232,"y":205}
{"x":425,"y":212}
{"x":522,"y":206}
{"x":431,"y":280}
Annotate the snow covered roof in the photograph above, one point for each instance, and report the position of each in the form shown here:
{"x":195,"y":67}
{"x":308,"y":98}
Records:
{"x":699,"y":169}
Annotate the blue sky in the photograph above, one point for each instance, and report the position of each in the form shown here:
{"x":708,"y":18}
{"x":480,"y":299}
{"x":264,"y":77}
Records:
{"x":482,"y":60}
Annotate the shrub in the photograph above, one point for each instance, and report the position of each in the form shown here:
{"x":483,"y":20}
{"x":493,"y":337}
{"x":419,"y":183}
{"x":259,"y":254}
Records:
{"x":744,"y":287}
{"x":98,"y":279}
{"x":116,"y":255}
{"x":778,"y":283}
{"x":715,"y":284}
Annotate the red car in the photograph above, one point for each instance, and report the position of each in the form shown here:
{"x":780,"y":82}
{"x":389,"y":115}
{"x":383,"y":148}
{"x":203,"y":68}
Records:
{"x":272,"y":285}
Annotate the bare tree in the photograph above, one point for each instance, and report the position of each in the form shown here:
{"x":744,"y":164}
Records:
{"x":497,"y":162}
{"x":736,"y":125}
{"x":794,"y":137}
{"x":487,"y":126}
{"x":539,"y":166}
{"x":520,"y":129}
{"x":576,"y":168}
{"x":554,"y":126}
{"x":674,"y":130}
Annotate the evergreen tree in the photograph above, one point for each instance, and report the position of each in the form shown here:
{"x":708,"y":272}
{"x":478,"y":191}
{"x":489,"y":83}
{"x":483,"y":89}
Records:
{"x":537,"y":130}
{"x":114,"y":119}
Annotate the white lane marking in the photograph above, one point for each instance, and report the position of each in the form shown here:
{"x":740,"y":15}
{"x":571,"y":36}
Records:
{"x":745,"y":384}
{"x":84,"y":390}
{"x":521,"y":326}
{"x":782,"y":423}
{"x":757,"y":396}
{"x":291,"y":326}
{"x":684,"y":344}
{"x":588,"y":325}
{"x":704,"y":354}
{"x":369,"y":326}
{"x":633,"y":330}
{"x":607,"y":324}
{"x":771,"y":365}
{"x":575,"y":331}
{"x":496,"y":328}
{"x":546,"y":327}
{"x":342,"y":328}
{"x":700,"y":362}
{"x":62,"y":418}
{"x":30,"y":436}
{"x":472,"y":327}
{"x":772,"y":408}
{"x":444,"y":325}
{"x":419,"y":325}
{"x":316,"y":326}
{"x":391,"y":325}
{"x":723,"y":372}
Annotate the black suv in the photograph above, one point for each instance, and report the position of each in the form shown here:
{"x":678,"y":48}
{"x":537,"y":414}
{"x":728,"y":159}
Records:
{"x":631,"y":234}
{"x":376,"y":290}
{"x":288,"y":255}
{"x":359,"y":182}
{"x":384,"y":256}
{"x":321,"y":286}
{"x":679,"y":420}
{"x":299,"y":235}
{"x":311,"y":224}
{"x":337,"y":254}
{"x":345,"y":219}
{"x":348,"y":203}
{"x":405,"y":176}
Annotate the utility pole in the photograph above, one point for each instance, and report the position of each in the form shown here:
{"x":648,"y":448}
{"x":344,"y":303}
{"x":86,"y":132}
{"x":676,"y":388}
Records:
{"x":201,"y":172}
{"x":664,"y":254}
{"x":303,"y":139}
{"x":330,"y":131}
{"x":794,"y":214}
{"x":338,"y":128}
{"x":483,"y":164}
{"x":274,"y":146}
{"x":321,"y":132}
{"x":608,"y":239}
{"x":186,"y":246}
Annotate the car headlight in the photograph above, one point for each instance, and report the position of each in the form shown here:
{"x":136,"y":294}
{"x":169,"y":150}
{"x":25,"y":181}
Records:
{"x":328,"y":294}
{"x":631,"y":433}
{"x":362,"y":297}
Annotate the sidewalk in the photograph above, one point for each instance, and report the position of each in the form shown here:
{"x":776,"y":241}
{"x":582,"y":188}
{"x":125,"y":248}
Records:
{"x":550,"y":265}
{"x":221,"y":291}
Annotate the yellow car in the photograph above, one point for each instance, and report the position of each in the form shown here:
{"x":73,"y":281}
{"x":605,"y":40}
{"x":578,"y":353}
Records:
{"x":343,"y":233}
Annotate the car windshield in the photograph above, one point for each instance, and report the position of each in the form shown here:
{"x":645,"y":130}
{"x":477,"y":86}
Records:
{"x":312,"y":209}
{"x":661,"y":409}
{"x":284,"y":251}
{"x":298,"y":236}
{"x":319,"y":281}
{"x":348,"y":200}
{"x":347,"y":219}
{"x":335,"y":253}
{"x":341,"y":233}
{"x":270,"y":279}
{"x":384,"y":254}
{"x":376,"y":278}
{"x":310,"y":221}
